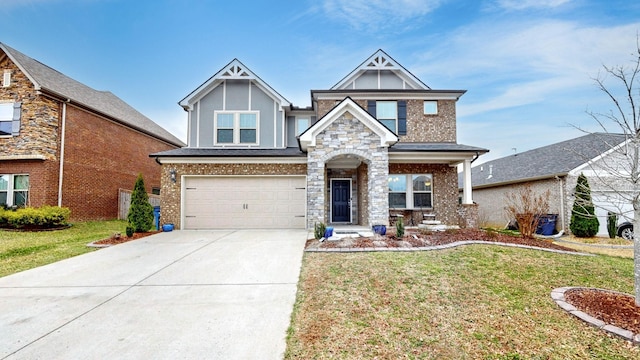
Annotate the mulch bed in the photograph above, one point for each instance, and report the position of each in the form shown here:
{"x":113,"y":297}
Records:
{"x":417,"y":238}
{"x":119,"y":239}
{"x":611,"y":307}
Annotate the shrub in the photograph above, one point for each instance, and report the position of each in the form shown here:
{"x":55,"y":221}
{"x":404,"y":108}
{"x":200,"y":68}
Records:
{"x":399,"y":228}
{"x":612,"y":224}
{"x":43,"y":217}
{"x":584,"y":222}
{"x":525,"y":206}
{"x":319,"y":230}
{"x":129,"y":231}
{"x":140,"y":214}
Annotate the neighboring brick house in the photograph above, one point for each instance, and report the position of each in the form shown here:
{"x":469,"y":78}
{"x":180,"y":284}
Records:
{"x":378,"y":142}
{"x":64,"y":143}
{"x":555,"y":168}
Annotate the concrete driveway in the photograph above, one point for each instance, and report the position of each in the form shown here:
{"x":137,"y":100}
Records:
{"x":175,"y":295}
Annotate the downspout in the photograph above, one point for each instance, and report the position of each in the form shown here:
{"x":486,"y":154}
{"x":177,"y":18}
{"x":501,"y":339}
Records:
{"x":562,"y":214}
{"x":62,"y":132}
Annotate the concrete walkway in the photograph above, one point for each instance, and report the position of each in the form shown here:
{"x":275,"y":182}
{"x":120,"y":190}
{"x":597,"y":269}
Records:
{"x":175,"y":295}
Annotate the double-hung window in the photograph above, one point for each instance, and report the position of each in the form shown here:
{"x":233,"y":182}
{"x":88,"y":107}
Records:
{"x":387,"y":114}
{"x":236,"y":128}
{"x":410,"y":191}
{"x":14,"y":190}
{"x":6,"y":118}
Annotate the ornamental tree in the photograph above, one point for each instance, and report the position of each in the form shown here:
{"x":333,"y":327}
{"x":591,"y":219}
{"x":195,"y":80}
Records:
{"x":140,"y":214}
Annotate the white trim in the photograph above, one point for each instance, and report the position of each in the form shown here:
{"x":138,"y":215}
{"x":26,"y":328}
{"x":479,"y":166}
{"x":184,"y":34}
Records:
{"x":427,"y":95}
{"x":198,"y":124}
{"x":275,"y":123}
{"x":451,"y":158}
{"x":224,"y":95}
{"x":234,"y":160}
{"x":62,"y":141}
{"x":308,"y":138}
{"x":350,"y":201}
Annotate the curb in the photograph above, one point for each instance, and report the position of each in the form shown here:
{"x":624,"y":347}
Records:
{"x":442,"y":247}
{"x":603,"y":246}
{"x":558,"y":296}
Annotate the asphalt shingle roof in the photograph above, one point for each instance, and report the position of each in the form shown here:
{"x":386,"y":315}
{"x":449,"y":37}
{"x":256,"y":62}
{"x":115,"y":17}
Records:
{"x":52,"y":81}
{"x":547,"y":161}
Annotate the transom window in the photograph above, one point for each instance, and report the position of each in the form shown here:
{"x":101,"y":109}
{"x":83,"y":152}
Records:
{"x":239,"y":127}
{"x":410,"y":191}
{"x":430,"y":107}
{"x":387,"y":114}
{"x":6,"y":118}
{"x":14,"y":190}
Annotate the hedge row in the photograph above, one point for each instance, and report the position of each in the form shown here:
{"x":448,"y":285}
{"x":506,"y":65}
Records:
{"x":29,"y":217}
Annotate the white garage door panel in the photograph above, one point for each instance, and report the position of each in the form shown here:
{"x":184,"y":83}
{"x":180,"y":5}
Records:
{"x":244,"y":202}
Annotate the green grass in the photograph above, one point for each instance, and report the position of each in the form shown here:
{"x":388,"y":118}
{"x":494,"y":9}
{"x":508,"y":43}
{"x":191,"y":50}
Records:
{"x":20,"y":251}
{"x":474,"y":302}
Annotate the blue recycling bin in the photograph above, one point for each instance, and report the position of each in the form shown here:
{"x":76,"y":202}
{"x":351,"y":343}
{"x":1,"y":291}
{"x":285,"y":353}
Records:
{"x":547,"y":224}
{"x":328,"y":232}
{"x":156,"y":216}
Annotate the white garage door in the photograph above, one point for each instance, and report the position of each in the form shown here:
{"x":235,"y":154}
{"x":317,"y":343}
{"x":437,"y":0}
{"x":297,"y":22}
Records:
{"x":249,"y":202}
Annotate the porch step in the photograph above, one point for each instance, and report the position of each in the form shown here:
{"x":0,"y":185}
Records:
{"x":431,"y":222}
{"x":437,"y":227}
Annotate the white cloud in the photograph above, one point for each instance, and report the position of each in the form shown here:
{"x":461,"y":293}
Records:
{"x":530,"y":4}
{"x":378,"y":14}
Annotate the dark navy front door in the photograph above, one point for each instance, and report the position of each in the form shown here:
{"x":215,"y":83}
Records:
{"x":340,"y":199}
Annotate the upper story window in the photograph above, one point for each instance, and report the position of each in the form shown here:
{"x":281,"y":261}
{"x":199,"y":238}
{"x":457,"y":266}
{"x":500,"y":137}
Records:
{"x":302,"y":124}
{"x":6,"y":118}
{"x":410,"y":191}
{"x":14,"y":190}
{"x":236,"y":128}
{"x":430,"y":107}
{"x":392,"y":114}
{"x":387,"y":114}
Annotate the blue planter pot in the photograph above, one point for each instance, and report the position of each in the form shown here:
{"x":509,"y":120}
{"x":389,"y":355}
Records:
{"x":167,"y":227}
{"x":380,"y":229}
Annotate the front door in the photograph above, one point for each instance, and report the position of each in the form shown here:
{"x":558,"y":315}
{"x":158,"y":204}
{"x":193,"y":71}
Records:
{"x":340,"y":200}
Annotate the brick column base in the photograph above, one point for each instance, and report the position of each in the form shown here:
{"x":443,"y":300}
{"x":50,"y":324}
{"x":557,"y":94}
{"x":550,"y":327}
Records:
{"x":468,"y":215}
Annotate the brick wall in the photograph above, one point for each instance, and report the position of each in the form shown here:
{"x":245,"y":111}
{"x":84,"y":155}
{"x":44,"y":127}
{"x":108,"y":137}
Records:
{"x":445,"y":188}
{"x":170,"y":202}
{"x":101,"y":157}
{"x":420,"y":127}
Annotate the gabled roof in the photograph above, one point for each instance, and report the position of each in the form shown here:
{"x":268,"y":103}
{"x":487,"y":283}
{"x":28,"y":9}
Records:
{"x":308,"y":138}
{"x":545,"y":162}
{"x":380,"y":60}
{"x":54,"y":83}
{"x":233,"y":70}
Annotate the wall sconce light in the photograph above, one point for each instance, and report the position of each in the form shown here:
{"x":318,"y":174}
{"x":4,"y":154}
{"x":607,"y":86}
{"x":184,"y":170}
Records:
{"x":172,"y":173}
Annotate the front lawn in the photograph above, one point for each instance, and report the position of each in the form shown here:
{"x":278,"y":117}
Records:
{"x":473,"y":302}
{"x":25,"y":250}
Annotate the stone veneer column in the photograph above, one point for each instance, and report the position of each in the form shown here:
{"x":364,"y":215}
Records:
{"x":348,"y":137}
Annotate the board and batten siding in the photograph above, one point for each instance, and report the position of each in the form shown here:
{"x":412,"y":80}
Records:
{"x":237,"y":95}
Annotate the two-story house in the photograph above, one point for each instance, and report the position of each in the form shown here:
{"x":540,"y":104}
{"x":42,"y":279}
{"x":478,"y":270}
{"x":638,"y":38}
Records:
{"x":379,"y":141}
{"x":64,"y":143}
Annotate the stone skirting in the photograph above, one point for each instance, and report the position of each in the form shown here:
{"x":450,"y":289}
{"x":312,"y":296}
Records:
{"x":468,"y":215}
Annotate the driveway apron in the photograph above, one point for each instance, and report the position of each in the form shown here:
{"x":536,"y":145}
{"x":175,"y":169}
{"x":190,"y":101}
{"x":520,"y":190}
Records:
{"x":174,"y":295}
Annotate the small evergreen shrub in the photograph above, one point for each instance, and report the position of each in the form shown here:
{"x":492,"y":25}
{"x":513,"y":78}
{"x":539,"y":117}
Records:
{"x":140,"y":214}
{"x":129,"y":231}
{"x":400,"y":228}
{"x":584,"y":222}
{"x":612,"y":224}
{"x":319,"y":230}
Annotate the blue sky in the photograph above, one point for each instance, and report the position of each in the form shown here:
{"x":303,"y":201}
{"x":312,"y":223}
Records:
{"x":528,"y":65}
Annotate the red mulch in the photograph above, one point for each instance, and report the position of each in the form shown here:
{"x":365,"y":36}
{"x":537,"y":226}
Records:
{"x":611,"y":307}
{"x":417,"y":238}
{"x":119,"y":239}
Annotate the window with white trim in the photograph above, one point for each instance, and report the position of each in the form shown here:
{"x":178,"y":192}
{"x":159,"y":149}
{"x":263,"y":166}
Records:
{"x":236,"y":127}
{"x":302,"y":124}
{"x":387,"y":114}
{"x":14,"y":190}
{"x":430,"y":107}
{"x":6,"y":118}
{"x":410,"y":191}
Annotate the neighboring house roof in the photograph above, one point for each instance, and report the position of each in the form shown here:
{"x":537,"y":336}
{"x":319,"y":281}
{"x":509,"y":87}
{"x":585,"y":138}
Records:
{"x":545,"y":162}
{"x":232,"y":71}
{"x":54,"y":83}
{"x":380,"y":60}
